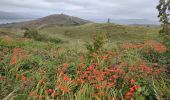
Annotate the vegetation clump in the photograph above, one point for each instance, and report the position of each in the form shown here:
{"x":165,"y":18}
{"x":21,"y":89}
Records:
{"x":33,"y":33}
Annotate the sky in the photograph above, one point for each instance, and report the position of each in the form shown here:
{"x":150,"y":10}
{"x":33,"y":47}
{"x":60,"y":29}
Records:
{"x":87,"y":9}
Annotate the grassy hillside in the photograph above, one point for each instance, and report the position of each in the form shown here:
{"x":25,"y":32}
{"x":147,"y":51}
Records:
{"x":118,"y":62}
{"x":115,"y":32}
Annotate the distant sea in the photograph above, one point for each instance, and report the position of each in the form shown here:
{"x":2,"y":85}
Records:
{"x":5,"y":21}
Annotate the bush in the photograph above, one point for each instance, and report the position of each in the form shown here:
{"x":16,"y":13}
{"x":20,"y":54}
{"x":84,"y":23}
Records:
{"x":31,"y":33}
{"x":47,"y":38}
{"x":99,"y":41}
{"x":34,"y":34}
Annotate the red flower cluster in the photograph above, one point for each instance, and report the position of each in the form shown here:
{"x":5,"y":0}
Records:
{"x":132,"y":89}
{"x":159,"y":47}
{"x":17,"y":52}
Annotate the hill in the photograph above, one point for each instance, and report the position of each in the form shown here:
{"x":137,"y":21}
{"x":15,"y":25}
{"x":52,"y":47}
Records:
{"x":56,"y":19}
{"x":61,"y":19}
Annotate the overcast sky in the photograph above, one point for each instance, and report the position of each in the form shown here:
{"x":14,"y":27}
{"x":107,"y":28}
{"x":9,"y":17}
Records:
{"x":88,"y":9}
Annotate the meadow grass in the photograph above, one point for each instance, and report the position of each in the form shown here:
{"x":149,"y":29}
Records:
{"x":128,"y":63}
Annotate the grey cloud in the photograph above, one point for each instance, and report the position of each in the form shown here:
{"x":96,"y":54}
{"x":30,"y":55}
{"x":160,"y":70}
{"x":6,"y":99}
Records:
{"x":89,"y":9}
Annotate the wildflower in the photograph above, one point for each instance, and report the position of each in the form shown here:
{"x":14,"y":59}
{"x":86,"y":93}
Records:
{"x":115,"y":76}
{"x":136,"y":87}
{"x":86,"y":72}
{"x":100,"y":78}
{"x":65,"y":89}
{"x":96,"y":72}
{"x":131,"y":90}
{"x":49,"y":91}
{"x":91,"y":67}
{"x":99,"y":86}
{"x":128,"y":95}
{"x":155,"y":64}
{"x":65,"y":65}
{"x":101,"y":93}
{"x":132,"y":81}
{"x":146,"y":68}
{"x":66,"y":78}
{"x":81,"y":81}
{"x":23,"y":78}
{"x":13,"y":60}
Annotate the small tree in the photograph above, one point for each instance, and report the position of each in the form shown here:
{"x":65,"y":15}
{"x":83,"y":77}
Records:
{"x":164,"y":13}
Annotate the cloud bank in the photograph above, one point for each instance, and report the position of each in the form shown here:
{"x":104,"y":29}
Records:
{"x":88,"y":9}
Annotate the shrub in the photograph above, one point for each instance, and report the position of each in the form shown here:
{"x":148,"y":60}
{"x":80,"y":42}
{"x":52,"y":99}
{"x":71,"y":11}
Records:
{"x":47,"y":38}
{"x":34,"y":34}
{"x":98,"y":42}
{"x":31,"y":33}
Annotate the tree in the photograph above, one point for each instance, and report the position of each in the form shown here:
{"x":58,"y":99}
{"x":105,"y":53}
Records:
{"x":164,"y":13}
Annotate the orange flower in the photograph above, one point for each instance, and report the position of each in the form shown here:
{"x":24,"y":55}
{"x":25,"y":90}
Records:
{"x":146,"y":68}
{"x":91,"y":67}
{"x":128,"y":95}
{"x":136,"y":87}
{"x":65,"y":89}
{"x":131,"y":90}
{"x":81,"y":81}
{"x":132,"y":81}
{"x":100,"y":78}
{"x":99,"y":86}
{"x":101,"y":93}
{"x":66,"y":78}
{"x":66,"y":65}
{"x":23,"y":78}
{"x":115,"y":76}
{"x":13,"y":60}
{"x":96,"y":72}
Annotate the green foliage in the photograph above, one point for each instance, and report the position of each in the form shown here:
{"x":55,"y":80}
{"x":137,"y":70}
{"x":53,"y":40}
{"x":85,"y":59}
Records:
{"x":163,"y":8}
{"x":98,"y":42}
{"x":31,"y":33}
{"x":34,"y":34}
{"x":47,"y":38}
